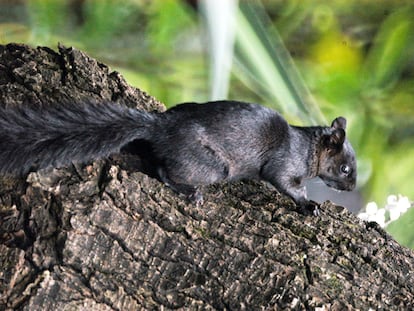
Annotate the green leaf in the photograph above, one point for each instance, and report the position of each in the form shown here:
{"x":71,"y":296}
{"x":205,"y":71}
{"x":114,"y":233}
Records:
{"x":392,"y":49}
{"x":401,"y":229}
{"x":264,"y":63}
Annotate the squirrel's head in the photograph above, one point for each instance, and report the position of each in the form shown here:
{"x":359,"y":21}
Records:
{"x":337,"y":163}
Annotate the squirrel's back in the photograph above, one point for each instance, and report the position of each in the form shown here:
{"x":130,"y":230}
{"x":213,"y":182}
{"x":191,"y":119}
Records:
{"x":37,"y":137}
{"x":220,"y":140}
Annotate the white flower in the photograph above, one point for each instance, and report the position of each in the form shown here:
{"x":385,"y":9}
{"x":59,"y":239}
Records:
{"x":395,"y":207}
{"x":371,"y":208}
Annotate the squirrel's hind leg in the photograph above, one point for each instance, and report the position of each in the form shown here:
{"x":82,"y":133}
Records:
{"x":192,"y":193}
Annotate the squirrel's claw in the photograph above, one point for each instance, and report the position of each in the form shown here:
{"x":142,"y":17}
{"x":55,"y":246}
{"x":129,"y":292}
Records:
{"x":196,"y":198}
{"x":310,"y":208}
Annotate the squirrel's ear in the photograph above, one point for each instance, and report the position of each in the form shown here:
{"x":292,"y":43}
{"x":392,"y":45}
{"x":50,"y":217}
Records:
{"x":339,"y":123}
{"x":335,"y":140}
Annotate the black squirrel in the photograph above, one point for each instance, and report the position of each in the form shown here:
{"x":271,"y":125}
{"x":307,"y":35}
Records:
{"x":191,"y":144}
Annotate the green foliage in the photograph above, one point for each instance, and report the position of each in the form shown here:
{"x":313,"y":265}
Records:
{"x":46,"y":16}
{"x":265,"y":64}
{"x":382,"y":90}
{"x":401,"y":229}
{"x":392,"y":50}
{"x":104,"y":19}
{"x":166,"y":21}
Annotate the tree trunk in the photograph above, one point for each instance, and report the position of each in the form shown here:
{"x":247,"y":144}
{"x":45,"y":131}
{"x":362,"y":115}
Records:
{"x":103,"y":236}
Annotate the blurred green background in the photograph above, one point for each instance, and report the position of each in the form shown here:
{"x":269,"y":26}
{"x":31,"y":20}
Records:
{"x":311,"y":60}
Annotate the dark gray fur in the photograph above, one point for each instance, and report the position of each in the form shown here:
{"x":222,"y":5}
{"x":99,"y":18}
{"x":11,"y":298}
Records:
{"x":35,"y":138}
{"x":191,"y":144}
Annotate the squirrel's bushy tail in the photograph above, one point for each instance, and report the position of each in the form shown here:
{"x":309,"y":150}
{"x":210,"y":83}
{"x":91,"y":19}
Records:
{"x":58,"y":135}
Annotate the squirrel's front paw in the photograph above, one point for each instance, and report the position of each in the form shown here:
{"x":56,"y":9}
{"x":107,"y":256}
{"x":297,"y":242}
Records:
{"x":309,"y":208}
{"x":196,"y":197}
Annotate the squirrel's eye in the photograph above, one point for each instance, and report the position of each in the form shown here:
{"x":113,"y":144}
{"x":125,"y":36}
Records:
{"x":345,"y":169}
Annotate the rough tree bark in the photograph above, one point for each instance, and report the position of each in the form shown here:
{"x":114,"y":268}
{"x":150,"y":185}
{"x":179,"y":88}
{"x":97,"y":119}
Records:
{"x":103,"y":236}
